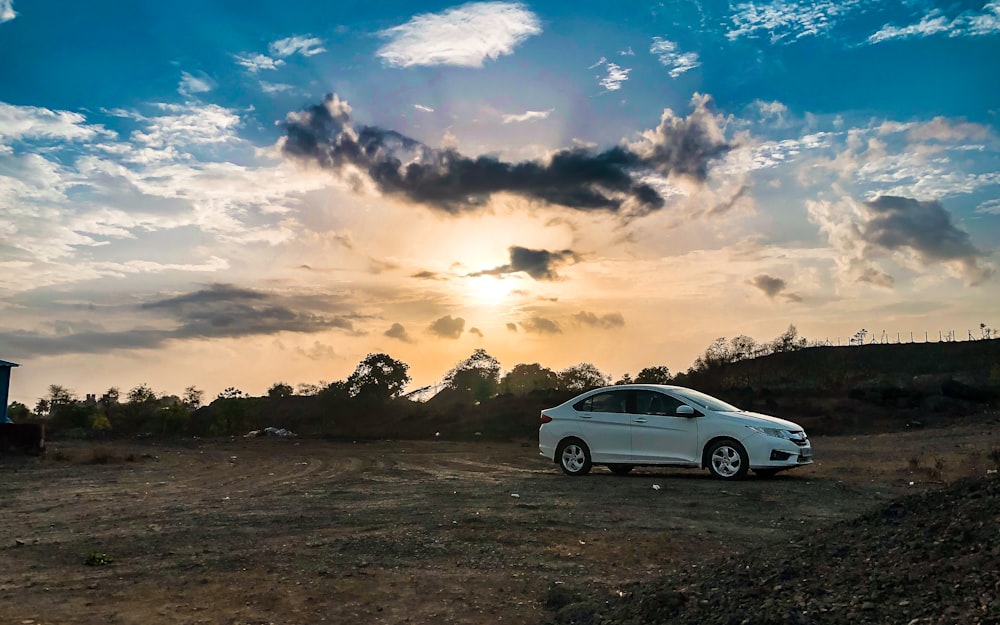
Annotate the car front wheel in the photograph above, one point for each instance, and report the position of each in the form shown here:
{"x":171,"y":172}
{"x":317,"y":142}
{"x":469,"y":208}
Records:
{"x":728,"y":460}
{"x":574,"y":457}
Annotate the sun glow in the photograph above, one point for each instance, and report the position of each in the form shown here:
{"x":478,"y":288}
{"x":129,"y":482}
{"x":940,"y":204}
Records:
{"x":490,"y":289}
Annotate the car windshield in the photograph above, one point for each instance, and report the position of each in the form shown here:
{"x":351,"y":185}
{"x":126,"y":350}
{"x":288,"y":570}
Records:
{"x":705,"y":401}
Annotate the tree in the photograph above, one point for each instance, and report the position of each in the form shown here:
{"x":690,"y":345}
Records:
{"x":59,"y":395}
{"x":379,"y":377}
{"x":18,"y":411}
{"x":279,"y":389}
{"x":788,"y":341}
{"x":625,"y":379}
{"x":479,"y":374}
{"x":742,"y":347}
{"x":859,"y":337}
{"x":654,"y":375}
{"x":524,"y":378}
{"x":582,"y":377}
{"x":141,"y":394}
{"x":231,"y":411}
{"x":307,"y":389}
{"x":231,"y":392}
{"x":718,"y":353}
{"x":192,"y":397}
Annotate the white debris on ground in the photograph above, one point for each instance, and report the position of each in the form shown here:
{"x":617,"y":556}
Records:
{"x":279,"y":432}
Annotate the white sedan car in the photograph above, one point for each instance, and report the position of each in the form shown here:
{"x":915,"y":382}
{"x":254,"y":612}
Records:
{"x":653,"y":424}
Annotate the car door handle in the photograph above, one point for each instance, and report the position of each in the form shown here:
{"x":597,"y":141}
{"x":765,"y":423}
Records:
{"x":586,"y":416}
{"x":639,"y":420}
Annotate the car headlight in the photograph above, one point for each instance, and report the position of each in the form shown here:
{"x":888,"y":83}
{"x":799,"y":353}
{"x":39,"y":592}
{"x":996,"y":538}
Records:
{"x":772,"y":432}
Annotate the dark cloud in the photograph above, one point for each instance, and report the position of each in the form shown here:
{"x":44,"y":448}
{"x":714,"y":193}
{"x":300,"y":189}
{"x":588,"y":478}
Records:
{"x":541,"y":325}
{"x":217,"y":311}
{"x":447,"y":327}
{"x":397,"y":331}
{"x":539,"y":264}
{"x":770,"y":285}
{"x":925,"y":228}
{"x":609,"y":320}
{"x":578,"y":178}
{"x":476,"y":331}
{"x":224,"y":310}
{"x":426,"y":275}
{"x":512,"y":327}
{"x":773,"y":287}
{"x":685,"y":145}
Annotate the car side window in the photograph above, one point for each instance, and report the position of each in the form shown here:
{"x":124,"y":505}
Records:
{"x":609,"y":401}
{"x":653,"y":403}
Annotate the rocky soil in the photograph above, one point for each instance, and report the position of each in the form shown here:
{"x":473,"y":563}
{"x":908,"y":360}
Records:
{"x":930,"y":558}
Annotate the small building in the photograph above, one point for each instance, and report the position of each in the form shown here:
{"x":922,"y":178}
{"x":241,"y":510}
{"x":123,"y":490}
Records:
{"x":5,"y":368}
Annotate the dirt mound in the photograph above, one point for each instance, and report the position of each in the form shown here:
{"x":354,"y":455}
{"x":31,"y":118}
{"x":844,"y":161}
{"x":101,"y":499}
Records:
{"x":929,"y":558}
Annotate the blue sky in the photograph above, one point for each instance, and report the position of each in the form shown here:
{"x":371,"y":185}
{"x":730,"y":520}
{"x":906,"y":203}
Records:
{"x":232,"y":194}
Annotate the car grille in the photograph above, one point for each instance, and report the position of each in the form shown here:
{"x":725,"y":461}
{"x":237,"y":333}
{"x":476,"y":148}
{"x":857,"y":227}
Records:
{"x":799,"y":438}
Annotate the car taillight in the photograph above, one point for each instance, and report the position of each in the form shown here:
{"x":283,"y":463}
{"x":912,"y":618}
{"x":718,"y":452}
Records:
{"x":546,"y":418}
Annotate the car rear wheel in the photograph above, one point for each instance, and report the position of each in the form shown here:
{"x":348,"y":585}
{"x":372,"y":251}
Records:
{"x":621,"y":469}
{"x":574,"y":457}
{"x":728,"y":460}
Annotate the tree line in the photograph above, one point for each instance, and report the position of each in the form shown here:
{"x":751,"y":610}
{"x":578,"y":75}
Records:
{"x":378,"y":378}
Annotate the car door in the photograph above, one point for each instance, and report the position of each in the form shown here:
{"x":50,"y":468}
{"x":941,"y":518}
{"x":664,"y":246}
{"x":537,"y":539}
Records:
{"x":659,"y":435}
{"x":606,"y":425}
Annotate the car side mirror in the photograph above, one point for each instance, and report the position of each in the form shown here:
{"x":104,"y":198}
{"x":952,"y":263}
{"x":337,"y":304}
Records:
{"x":685,"y":411}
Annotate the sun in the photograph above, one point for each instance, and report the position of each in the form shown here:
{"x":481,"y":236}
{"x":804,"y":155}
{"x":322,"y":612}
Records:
{"x":489,"y":289}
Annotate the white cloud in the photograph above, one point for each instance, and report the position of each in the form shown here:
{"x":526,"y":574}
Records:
{"x":678,"y":62}
{"x":280,"y":49}
{"x":304,"y":45}
{"x":966,"y":24}
{"x":527,"y":116}
{"x":789,"y":21}
{"x":21,"y":122}
{"x":275,"y":87}
{"x":70,"y":208}
{"x":257,"y":62}
{"x":425,"y":109}
{"x":989,"y":207}
{"x":465,"y":35}
{"x":187,"y":125}
{"x":191,"y":84}
{"x":612,"y":81}
{"x":7,"y":12}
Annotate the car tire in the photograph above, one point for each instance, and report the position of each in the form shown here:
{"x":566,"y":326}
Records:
{"x":573,"y":457}
{"x":621,"y":469}
{"x":727,"y":460}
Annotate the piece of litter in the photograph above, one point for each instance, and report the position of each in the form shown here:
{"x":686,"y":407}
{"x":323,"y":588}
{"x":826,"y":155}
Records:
{"x":656,"y":487}
{"x":911,"y":483}
{"x":515,"y":495}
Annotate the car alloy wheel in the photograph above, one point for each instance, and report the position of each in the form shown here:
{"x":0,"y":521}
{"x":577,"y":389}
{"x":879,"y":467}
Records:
{"x":728,"y":460}
{"x":574,"y":458}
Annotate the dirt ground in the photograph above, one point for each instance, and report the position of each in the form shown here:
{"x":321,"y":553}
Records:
{"x":263,"y":530}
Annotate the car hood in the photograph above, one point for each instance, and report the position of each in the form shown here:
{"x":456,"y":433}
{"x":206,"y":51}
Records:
{"x":763,"y":420}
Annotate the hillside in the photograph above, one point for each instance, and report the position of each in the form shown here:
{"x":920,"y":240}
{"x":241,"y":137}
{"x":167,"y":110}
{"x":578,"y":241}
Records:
{"x":829,"y":390}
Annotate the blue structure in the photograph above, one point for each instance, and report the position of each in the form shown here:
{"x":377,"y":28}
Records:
{"x":5,"y":368}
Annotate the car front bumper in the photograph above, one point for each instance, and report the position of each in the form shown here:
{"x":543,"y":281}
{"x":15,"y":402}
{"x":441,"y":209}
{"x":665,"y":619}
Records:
{"x":768,"y":452}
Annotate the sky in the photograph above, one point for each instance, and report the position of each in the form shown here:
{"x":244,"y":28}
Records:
{"x":231,"y":194}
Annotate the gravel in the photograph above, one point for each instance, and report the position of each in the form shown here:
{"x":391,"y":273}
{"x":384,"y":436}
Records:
{"x":925,"y":559}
